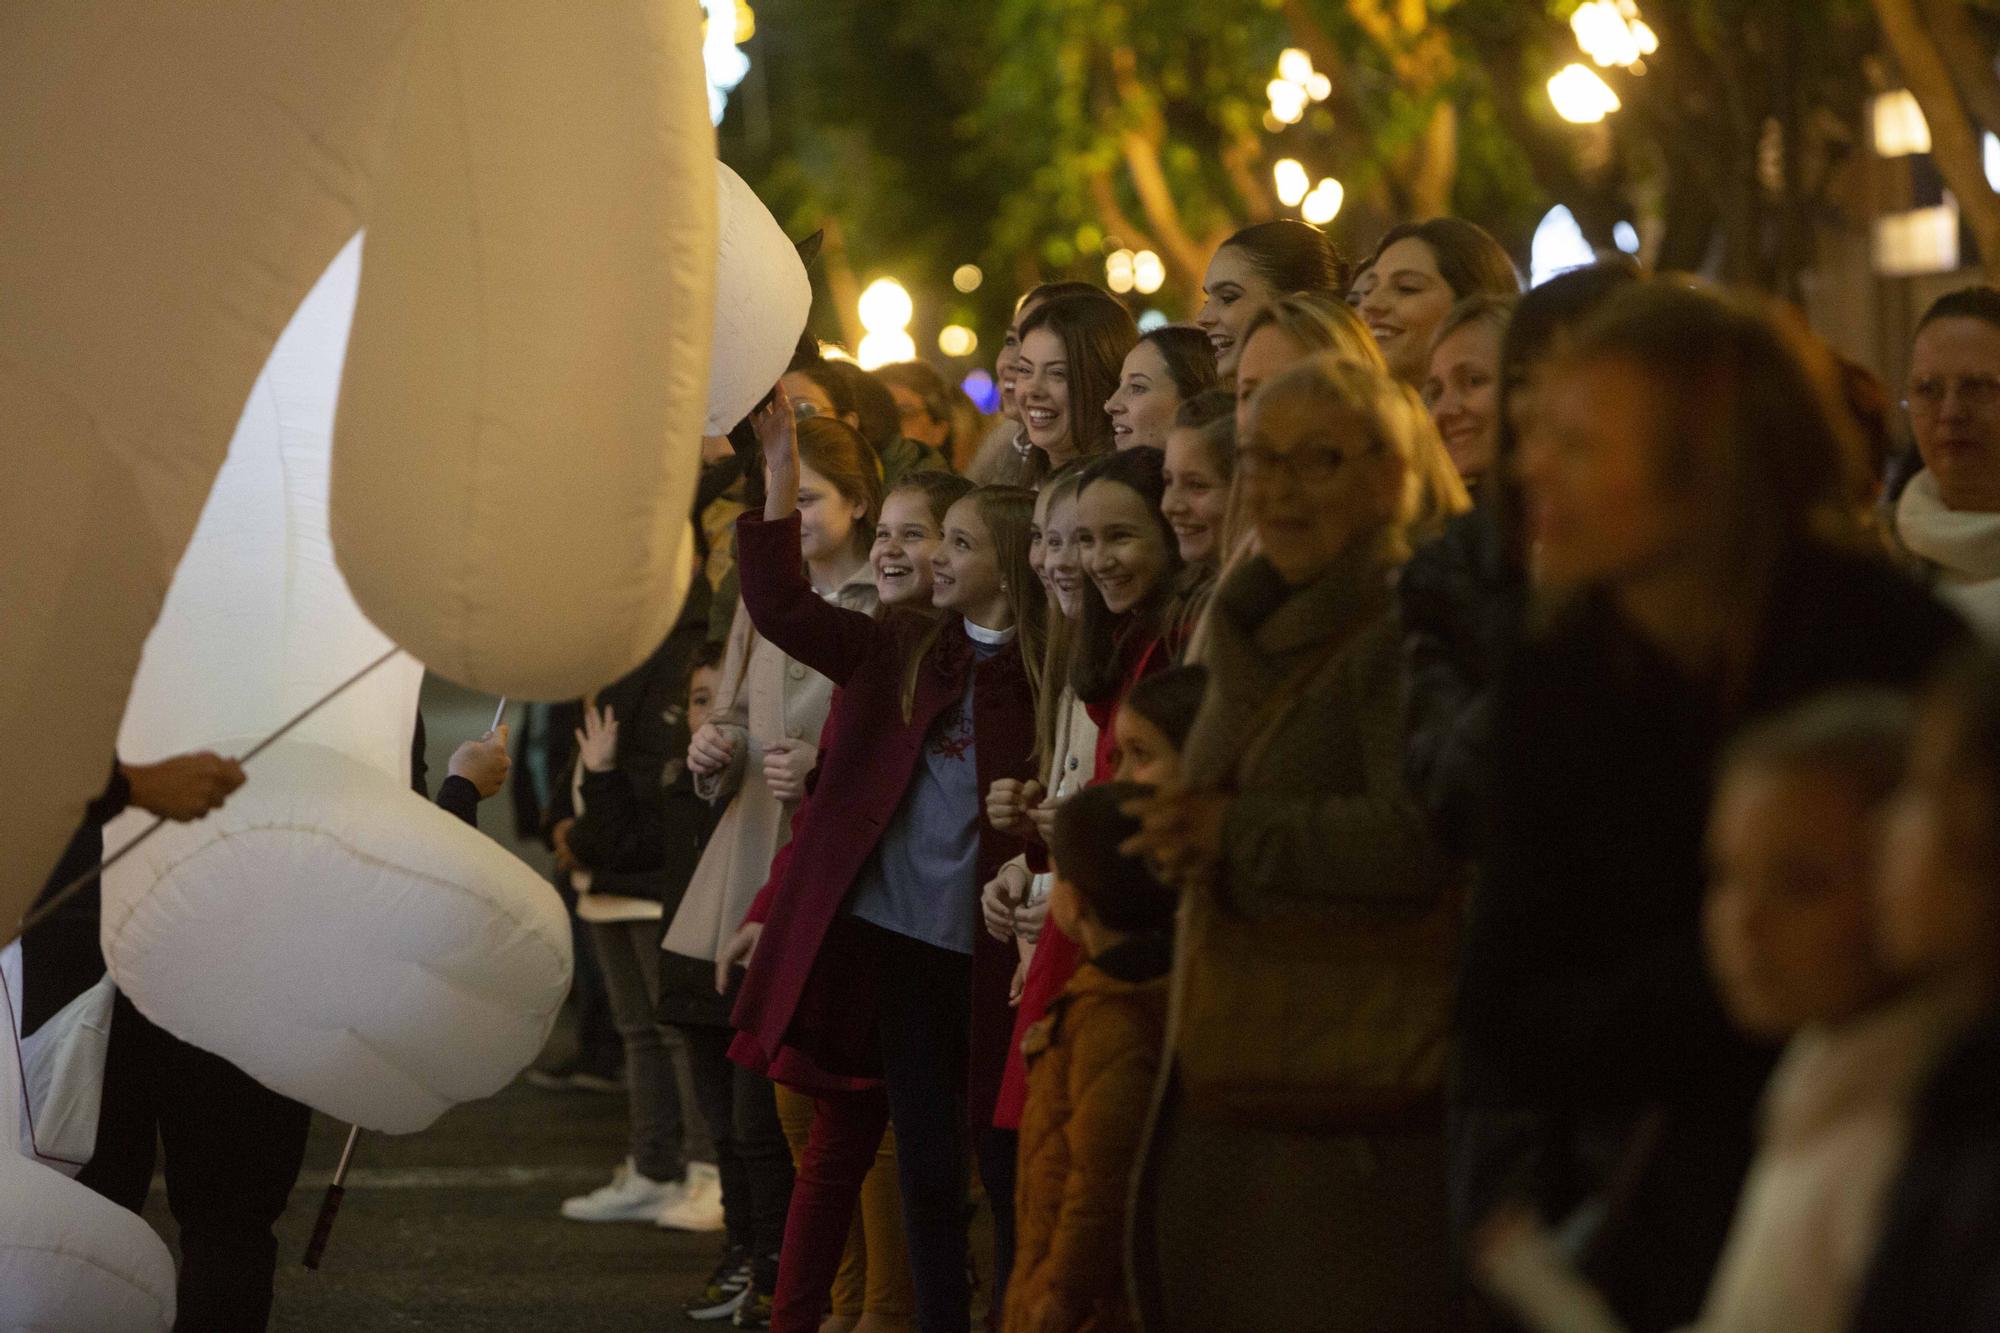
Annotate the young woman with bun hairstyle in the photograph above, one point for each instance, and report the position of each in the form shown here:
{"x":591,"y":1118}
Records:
{"x":1255,"y":267}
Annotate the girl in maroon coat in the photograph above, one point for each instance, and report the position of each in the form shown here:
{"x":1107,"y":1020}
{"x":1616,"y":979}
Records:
{"x":872,"y":963}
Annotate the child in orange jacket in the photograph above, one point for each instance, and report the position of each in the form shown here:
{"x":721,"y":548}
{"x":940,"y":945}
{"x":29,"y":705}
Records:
{"x":1092,"y":1064}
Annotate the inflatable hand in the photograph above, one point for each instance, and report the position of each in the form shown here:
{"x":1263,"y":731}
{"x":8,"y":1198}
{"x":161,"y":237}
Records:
{"x":71,"y":1261}
{"x":328,"y":930}
{"x":527,"y":379}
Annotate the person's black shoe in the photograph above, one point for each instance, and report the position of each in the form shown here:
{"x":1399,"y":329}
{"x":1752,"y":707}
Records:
{"x":728,"y":1288}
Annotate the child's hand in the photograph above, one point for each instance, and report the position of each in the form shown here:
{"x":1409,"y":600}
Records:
{"x":741,"y":948}
{"x":597,"y":743}
{"x":1019,"y":985}
{"x":1030,"y":917}
{"x":711,"y":750}
{"x":787,"y":765}
{"x":1010,"y":804}
{"x":1001,"y":897}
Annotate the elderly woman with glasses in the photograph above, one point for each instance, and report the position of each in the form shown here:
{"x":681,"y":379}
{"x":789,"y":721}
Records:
{"x":1948,"y":518}
{"x":1295,"y":1177}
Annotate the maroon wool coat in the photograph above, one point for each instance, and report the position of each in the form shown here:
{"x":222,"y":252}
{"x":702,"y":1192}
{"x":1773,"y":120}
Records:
{"x":804,"y":987}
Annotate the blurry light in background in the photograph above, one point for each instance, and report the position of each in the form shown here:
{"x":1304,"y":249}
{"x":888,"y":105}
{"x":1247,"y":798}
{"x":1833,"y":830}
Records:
{"x":1319,"y":87}
{"x":1580,"y":97}
{"x":1120,"y":270}
{"x":1992,"y":155}
{"x":1149,"y":274}
{"x":1323,"y":204}
{"x":967,"y":277}
{"x":885,"y":347}
{"x":1559,"y":246}
{"x":1294,"y":65}
{"x":1919,"y":241}
{"x":957,"y":340}
{"x":885,"y":305}
{"x":726,"y":26}
{"x":1152,"y":319}
{"x":1899,"y":125}
{"x":835,"y":352}
{"x":1612,"y":33}
{"x":983,"y":392}
{"x":1626,"y":237}
{"x":1291,"y":180}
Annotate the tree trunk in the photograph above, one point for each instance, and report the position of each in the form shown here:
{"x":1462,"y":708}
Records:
{"x":1967,"y":56}
{"x":1955,"y":146}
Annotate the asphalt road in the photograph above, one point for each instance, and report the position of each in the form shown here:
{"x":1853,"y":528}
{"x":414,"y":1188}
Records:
{"x":456,"y":1228}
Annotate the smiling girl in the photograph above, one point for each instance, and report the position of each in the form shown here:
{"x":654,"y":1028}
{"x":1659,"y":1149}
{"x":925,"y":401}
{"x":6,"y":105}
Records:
{"x":1255,"y":267}
{"x":1164,"y":369}
{"x":1418,"y":271}
{"x":1067,"y":366}
{"x":1132,"y":560}
{"x":872,"y":962}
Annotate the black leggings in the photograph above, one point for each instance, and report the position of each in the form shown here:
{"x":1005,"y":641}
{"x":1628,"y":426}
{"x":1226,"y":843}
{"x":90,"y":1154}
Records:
{"x":751,"y":1154}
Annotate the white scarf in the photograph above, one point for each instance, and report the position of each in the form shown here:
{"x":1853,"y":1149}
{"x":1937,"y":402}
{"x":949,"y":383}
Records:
{"x":1964,"y":548}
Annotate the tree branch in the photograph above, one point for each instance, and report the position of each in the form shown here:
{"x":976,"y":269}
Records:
{"x":1140,"y":141}
{"x":1967,"y":57}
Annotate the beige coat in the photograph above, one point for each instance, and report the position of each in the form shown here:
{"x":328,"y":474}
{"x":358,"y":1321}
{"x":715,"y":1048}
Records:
{"x":764,"y":696}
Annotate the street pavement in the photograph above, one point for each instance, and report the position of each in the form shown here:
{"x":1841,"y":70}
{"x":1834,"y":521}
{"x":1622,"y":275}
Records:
{"x":456,"y":1228}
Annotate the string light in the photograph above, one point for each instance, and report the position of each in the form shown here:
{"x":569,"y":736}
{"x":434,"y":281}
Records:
{"x":1120,"y":271}
{"x":1612,"y":33}
{"x":957,"y":340}
{"x":967,"y":277}
{"x":885,"y":309}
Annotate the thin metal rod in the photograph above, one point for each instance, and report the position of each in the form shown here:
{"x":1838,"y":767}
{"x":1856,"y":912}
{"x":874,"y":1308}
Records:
{"x":346,"y":1155}
{"x":498,"y":714}
{"x":76,"y":886}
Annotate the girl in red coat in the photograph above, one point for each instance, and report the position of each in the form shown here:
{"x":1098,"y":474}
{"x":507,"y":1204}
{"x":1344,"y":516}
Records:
{"x":872,"y":962}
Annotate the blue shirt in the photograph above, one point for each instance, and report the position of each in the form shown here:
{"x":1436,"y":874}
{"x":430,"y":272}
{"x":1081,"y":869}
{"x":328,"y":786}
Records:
{"x":922,"y":880}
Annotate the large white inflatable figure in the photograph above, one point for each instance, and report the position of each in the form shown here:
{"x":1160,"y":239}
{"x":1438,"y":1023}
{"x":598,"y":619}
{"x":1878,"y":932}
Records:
{"x":341,"y":939}
{"x":71,"y":1261}
{"x":526,"y":378}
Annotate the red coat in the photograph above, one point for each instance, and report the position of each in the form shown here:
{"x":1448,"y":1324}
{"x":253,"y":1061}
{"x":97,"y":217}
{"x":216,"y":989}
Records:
{"x":1057,"y":956}
{"x":802,"y":989}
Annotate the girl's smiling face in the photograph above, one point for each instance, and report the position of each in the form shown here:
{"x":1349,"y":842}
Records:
{"x":1142,"y":410}
{"x":1123,"y":549}
{"x":1235,"y":292}
{"x":905,"y":540}
{"x":1197,"y":496}
{"x":1041,"y":386}
{"x":1062,"y":559}
{"x":1406,"y":300}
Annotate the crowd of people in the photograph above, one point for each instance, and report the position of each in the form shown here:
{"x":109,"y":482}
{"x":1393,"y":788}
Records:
{"x":1403,"y":804}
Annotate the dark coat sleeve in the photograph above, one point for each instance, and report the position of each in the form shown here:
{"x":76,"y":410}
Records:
{"x":832,"y":640}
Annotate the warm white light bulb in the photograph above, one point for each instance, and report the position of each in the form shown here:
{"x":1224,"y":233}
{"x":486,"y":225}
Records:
{"x":1580,"y":97}
{"x":885,"y":306}
{"x":1290,"y":177}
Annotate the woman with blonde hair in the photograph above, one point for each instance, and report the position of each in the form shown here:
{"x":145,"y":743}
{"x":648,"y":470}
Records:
{"x":1295,"y":1172}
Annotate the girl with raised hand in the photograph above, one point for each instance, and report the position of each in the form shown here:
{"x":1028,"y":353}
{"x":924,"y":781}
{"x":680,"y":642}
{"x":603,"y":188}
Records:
{"x":871,"y":1289}
{"x":754,"y":754}
{"x":872,"y":962}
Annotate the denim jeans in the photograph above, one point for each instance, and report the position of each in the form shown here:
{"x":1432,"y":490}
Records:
{"x":666,"y":1128}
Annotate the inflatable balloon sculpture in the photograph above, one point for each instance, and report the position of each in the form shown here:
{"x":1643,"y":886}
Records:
{"x":530,"y":321}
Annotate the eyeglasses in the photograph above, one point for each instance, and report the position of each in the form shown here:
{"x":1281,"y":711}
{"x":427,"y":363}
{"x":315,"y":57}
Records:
{"x":1926,"y":396}
{"x":1305,"y":466}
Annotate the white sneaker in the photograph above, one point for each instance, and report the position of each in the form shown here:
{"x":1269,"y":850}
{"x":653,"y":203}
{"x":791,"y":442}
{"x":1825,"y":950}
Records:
{"x":700,"y":1206}
{"x":630,"y":1197}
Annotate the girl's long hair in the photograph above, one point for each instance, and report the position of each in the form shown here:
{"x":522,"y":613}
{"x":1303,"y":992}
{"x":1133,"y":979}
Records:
{"x":1097,"y":667}
{"x":1008,"y":512}
{"x":1061,"y":486}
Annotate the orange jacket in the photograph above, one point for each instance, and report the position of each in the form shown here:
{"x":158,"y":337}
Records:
{"x":1092,"y":1064}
